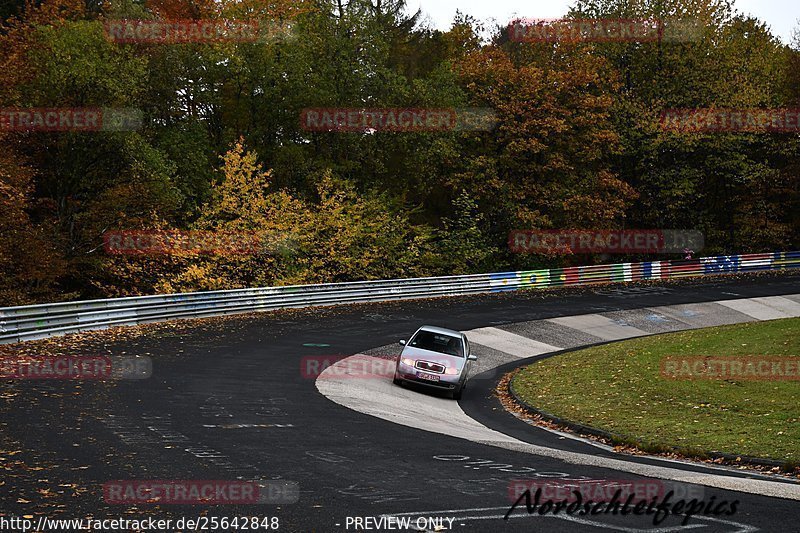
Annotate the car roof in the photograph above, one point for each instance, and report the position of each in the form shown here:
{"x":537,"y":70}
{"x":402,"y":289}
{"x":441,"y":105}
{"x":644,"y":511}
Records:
{"x":442,"y":331}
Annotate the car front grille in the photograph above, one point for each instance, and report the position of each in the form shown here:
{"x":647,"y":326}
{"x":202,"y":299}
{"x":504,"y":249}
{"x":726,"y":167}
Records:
{"x":430,"y":367}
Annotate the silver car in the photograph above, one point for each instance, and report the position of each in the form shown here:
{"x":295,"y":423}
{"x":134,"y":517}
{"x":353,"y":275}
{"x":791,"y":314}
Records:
{"x":438,"y":358}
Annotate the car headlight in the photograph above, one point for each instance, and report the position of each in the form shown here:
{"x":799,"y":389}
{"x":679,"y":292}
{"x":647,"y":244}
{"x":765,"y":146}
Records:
{"x":407,"y":361}
{"x":451,"y":371}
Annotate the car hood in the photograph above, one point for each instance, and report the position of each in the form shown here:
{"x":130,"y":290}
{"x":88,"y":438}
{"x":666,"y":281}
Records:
{"x":433,"y":357}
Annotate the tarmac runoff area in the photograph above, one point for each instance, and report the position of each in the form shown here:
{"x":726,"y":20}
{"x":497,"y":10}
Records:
{"x":496,"y":346}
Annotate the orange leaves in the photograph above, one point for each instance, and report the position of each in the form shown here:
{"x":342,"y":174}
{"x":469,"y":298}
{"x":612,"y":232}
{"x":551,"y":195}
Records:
{"x":270,"y":9}
{"x":53,"y":11}
{"x":28,"y":261}
{"x":183,"y":9}
{"x":235,"y":9}
{"x":555,"y":140}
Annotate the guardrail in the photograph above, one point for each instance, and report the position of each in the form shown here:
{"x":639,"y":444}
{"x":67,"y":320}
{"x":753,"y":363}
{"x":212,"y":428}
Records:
{"x":31,"y":322}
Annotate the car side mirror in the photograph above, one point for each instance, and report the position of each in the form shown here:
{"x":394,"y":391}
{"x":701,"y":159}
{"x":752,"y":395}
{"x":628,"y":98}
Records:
{"x":402,"y":343}
{"x":472,"y":358}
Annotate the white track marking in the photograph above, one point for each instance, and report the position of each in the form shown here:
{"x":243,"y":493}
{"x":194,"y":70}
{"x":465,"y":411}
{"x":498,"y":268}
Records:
{"x":508,"y":342}
{"x":758,"y":308}
{"x":600,"y":326}
{"x":785,"y":305}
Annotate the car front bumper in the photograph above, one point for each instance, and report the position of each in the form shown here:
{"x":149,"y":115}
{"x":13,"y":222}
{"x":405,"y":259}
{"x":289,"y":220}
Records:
{"x":446,"y":381}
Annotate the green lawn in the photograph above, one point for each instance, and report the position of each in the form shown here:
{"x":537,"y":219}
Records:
{"x":619,"y":388}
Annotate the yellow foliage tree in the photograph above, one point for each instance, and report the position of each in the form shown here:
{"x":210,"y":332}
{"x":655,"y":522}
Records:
{"x":245,"y":211}
{"x":344,"y":236}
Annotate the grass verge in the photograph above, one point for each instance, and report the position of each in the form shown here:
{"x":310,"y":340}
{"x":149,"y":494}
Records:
{"x":619,"y":388}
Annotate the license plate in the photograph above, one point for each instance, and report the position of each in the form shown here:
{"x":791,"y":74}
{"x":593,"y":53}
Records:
{"x":429,"y":377}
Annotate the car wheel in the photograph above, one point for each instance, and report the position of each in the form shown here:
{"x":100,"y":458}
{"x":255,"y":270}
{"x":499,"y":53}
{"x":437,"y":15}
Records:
{"x":457,"y":392}
{"x":395,"y":380}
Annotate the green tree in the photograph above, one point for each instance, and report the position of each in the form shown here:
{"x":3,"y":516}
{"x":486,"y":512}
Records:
{"x":463,"y":246}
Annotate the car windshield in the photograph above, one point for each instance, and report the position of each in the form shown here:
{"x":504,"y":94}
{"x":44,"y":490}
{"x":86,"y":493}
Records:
{"x":438,"y":342}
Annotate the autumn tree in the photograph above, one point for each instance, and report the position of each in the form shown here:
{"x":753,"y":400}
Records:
{"x":245,"y":207}
{"x":30,"y":262}
{"x":548,"y":164}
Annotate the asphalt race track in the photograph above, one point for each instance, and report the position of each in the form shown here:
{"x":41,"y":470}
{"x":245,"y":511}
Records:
{"x":228,"y":400}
